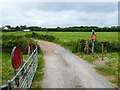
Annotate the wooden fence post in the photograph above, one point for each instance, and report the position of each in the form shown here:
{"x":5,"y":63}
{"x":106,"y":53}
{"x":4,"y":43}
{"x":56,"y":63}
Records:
{"x":28,"y":45}
{"x":102,"y":52}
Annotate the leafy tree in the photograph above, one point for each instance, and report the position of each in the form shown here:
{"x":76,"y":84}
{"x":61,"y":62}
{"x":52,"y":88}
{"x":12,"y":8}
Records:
{"x":23,"y":27}
{"x":8,"y":26}
{"x":17,"y":28}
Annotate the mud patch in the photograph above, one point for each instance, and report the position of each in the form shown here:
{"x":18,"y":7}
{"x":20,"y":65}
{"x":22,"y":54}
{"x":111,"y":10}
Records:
{"x":100,"y":62}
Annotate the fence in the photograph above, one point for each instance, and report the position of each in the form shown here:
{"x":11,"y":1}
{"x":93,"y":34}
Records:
{"x":25,"y":75}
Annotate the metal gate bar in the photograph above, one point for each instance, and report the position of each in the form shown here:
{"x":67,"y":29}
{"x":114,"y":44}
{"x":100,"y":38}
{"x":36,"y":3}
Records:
{"x":24,"y":77}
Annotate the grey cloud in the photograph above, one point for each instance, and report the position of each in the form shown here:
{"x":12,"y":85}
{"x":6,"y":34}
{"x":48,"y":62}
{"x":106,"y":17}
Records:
{"x":60,"y":14}
{"x":66,"y":6}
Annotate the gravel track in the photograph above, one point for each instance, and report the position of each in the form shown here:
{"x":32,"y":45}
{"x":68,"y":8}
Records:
{"x":66,"y":70}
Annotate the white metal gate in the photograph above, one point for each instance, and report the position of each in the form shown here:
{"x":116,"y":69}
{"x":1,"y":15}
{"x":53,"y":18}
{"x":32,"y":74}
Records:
{"x":25,"y":75}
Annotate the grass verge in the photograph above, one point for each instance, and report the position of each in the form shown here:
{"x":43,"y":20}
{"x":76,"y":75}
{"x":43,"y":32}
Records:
{"x":8,"y":72}
{"x":7,"y":69}
{"x":39,"y":74}
{"x":108,"y":67}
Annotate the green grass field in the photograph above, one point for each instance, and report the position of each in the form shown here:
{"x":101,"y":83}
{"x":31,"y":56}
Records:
{"x":73,"y":36}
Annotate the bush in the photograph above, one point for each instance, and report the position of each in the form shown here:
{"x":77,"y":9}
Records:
{"x":10,"y":41}
{"x":42,"y":37}
{"x":78,"y":46}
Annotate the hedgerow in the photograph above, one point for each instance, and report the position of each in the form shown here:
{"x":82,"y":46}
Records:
{"x":78,"y":46}
{"x":10,"y":41}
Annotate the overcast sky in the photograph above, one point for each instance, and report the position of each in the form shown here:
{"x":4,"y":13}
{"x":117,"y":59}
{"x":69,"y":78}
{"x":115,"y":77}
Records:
{"x":62,"y":14}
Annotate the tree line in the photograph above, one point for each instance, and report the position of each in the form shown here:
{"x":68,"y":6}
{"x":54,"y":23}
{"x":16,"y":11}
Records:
{"x":65,"y":29}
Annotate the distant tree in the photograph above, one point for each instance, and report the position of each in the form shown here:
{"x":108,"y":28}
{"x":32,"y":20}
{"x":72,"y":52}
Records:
{"x":58,"y":27}
{"x":17,"y":28}
{"x":8,"y":26}
{"x":23,"y":27}
{"x":34,"y":28}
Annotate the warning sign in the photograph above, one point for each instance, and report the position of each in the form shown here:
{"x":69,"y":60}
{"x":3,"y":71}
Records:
{"x":94,"y":37}
{"x":16,"y":58}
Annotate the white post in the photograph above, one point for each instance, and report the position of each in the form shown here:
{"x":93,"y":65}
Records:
{"x":93,"y":47}
{"x":93,"y":32}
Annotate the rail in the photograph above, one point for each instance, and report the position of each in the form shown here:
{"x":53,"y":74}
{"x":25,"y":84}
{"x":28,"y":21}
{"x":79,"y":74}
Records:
{"x":25,"y":75}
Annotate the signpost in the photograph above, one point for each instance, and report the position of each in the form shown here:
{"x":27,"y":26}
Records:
{"x":93,"y":40}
